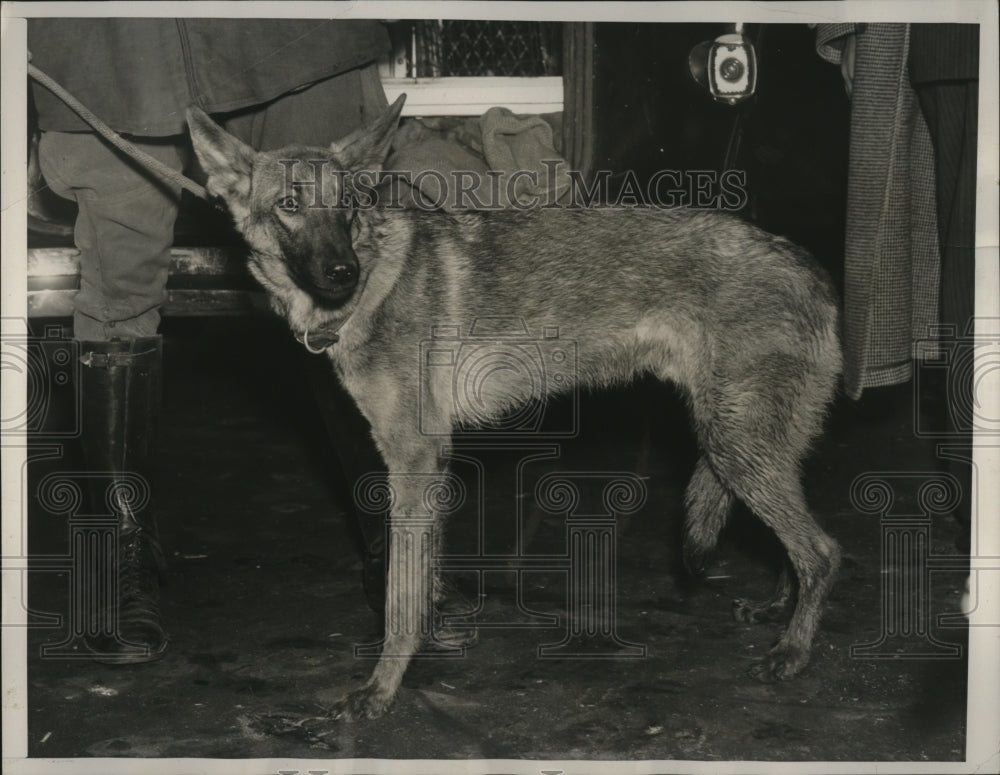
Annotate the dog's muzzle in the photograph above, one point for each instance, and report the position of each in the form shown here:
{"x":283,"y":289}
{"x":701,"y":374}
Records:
{"x":318,"y":341}
{"x":335,"y":285}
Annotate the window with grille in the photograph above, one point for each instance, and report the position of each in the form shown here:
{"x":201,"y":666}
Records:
{"x":463,"y":67}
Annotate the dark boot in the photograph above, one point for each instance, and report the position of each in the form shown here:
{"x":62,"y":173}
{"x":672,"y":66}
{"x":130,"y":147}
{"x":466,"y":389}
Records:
{"x":120,"y":392}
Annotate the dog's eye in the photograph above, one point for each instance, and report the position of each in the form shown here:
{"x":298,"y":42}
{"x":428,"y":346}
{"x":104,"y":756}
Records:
{"x":288,"y":204}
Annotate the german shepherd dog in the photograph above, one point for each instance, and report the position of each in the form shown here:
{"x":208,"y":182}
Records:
{"x":743,"y":321}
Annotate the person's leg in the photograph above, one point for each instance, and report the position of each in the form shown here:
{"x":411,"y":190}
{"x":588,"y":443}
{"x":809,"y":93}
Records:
{"x":124,"y":230}
{"x":951,"y":110}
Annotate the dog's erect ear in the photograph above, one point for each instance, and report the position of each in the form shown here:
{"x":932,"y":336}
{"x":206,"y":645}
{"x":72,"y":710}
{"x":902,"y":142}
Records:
{"x":226,"y":160}
{"x":366,"y":148}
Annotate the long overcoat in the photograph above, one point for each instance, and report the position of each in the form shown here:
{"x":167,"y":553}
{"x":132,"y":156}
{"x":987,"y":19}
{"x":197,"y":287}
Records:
{"x":891,"y":261}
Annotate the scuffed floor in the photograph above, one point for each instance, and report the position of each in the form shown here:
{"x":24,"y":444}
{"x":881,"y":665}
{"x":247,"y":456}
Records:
{"x":264,"y":601}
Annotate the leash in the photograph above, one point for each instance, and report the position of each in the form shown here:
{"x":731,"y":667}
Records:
{"x":123,"y":145}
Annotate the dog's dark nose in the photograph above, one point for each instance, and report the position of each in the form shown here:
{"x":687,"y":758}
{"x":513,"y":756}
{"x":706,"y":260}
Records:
{"x":335,"y":283}
{"x":341,"y":274}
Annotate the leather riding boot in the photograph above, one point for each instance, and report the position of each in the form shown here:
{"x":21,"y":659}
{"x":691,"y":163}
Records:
{"x":120,"y":393}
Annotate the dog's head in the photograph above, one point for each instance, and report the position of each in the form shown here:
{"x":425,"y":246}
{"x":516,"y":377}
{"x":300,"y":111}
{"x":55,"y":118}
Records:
{"x":295,"y":208}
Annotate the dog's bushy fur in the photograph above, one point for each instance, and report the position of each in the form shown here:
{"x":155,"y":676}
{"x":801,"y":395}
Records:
{"x":744,"y":322}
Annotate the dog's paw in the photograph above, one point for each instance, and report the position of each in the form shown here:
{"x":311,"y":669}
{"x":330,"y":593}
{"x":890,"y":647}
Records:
{"x":695,"y":557}
{"x":750,"y":612}
{"x":364,"y":703}
{"x":781,"y":664}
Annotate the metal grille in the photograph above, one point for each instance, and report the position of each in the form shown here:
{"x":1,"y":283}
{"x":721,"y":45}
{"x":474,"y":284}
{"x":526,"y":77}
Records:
{"x":452,"y":47}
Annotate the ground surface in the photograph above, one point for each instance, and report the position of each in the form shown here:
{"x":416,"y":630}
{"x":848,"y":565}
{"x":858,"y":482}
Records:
{"x":264,"y":602}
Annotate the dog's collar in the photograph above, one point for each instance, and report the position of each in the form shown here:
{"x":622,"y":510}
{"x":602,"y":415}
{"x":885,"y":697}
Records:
{"x":321,"y":339}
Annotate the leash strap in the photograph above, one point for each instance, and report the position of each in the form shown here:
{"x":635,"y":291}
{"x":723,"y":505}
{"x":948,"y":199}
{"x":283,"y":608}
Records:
{"x":154,"y":165}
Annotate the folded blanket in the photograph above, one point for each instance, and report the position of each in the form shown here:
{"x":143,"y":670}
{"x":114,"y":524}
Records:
{"x":447,"y":160}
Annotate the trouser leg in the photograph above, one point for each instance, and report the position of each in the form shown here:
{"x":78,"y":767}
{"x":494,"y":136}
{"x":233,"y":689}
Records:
{"x":951,"y":110}
{"x":124,"y":230}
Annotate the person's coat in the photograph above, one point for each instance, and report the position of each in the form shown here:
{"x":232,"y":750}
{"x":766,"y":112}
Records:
{"x":139,"y":75}
{"x":891,"y":262}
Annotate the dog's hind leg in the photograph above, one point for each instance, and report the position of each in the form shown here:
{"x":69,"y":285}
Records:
{"x":815,"y":557}
{"x":707,"y":503}
{"x":755,"y":446}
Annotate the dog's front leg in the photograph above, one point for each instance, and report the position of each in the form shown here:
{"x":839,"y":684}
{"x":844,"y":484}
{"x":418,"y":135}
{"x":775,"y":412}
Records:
{"x":415,"y":475}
